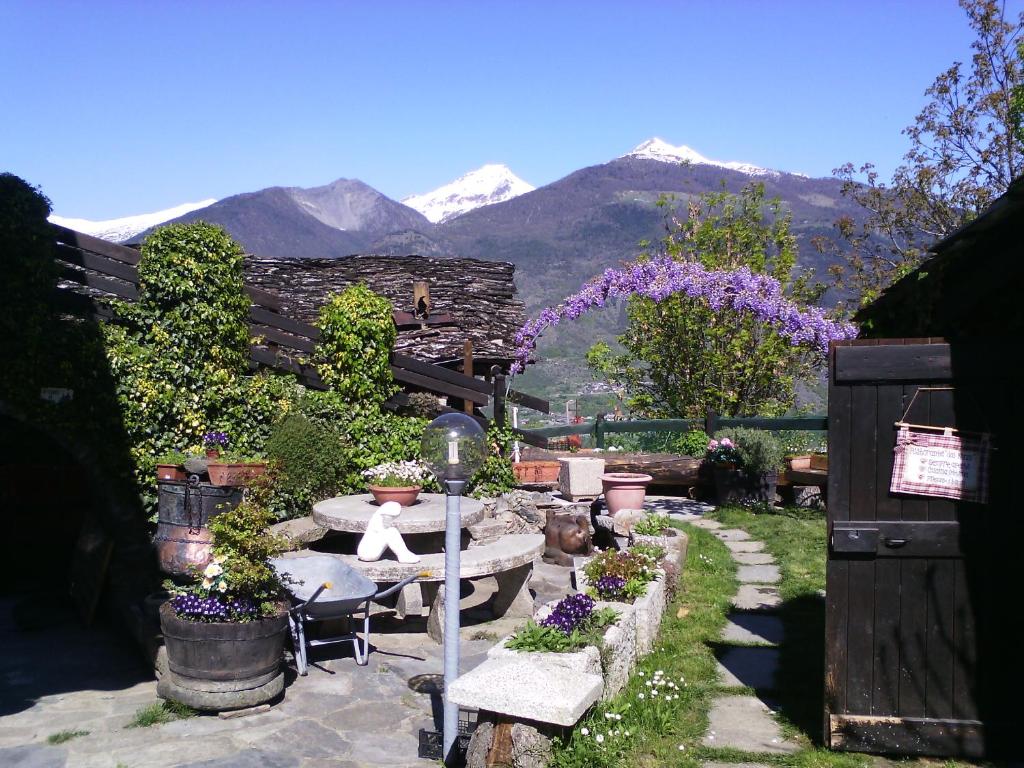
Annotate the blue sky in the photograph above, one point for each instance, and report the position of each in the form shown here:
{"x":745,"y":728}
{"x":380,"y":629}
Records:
{"x":117,"y":108}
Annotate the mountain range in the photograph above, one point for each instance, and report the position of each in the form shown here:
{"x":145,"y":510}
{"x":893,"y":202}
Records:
{"x":558,"y":235}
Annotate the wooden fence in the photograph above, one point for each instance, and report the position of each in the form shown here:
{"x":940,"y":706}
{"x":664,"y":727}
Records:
{"x":93,"y":271}
{"x":711,"y":423}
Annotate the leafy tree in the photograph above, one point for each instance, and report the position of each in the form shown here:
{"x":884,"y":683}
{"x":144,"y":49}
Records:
{"x":681,"y":356}
{"x":965,"y":148}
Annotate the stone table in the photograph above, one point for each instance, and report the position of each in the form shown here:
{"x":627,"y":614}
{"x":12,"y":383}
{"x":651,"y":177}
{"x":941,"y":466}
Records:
{"x":352,"y":514}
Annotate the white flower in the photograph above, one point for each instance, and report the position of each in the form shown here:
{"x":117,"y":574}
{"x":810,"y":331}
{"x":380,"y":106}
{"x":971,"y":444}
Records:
{"x":223,"y":586}
{"x":609,"y":716}
{"x":207,"y":583}
{"x":585,"y":731}
{"x":213,"y":569}
{"x":626,"y":733}
{"x":600,"y":738}
{"x":682,"y":747}
{"x":640,"y":696}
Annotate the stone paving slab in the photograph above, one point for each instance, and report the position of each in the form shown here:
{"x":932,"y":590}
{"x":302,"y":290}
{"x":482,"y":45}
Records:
{"x":669,"y":505}
{"x":707,"y":525}
{"x":751,"y":667}
{"x":758,"y":574}
{"x":753,"y":558}
{"x":745,"y":723}
{"x":756,"y":597}
{"x":713,"y":764}
{"x":753,"y":628}
{"x":745,"y":546}
{"x":732,"y":534}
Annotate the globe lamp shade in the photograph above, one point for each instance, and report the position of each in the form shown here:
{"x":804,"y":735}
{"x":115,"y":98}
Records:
{"x":454,"y":446}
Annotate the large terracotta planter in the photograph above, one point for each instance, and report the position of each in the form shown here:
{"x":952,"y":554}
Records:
{"x":234,"y":474}
{"x":529,"y":472}
{"x":624,"y":490}
{"x":405,"y":495}
{"x":172,"y":473}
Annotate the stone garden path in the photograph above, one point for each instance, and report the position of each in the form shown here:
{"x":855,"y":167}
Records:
{"x":748,"y":653}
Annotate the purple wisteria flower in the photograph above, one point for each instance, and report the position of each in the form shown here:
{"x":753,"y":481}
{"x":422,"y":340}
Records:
{"x":662,"y":276}
{"x":611,"y":587}
{"x":569,"y":613}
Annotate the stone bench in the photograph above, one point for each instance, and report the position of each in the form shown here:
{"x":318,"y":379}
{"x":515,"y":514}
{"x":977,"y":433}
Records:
{"x":509,"y":559}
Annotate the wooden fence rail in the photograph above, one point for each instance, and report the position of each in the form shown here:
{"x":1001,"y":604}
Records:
{"x":711,"y":423}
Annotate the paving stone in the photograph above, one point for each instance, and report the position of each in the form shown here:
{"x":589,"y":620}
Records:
{"x":758,"y":574}
{"x":33,"y":756}
{"x":753,"y":558}
{"x":745,"y":723}
{"x":755,"y":597}
{"x":762,"y":629}
{"x":305,"y":738}
{"x":732,"y":534}
{"x":751,"y":667}
{"x":707,"y":525}
{"x":249,"y":758}
{"x":713,"y":764}
{"x":745,"y":546}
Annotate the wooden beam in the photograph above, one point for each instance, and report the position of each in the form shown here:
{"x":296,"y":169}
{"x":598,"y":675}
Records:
{"x":437,"y":385}
{"x":98,"y":263}
{"x":110,"y":285}
{"x":467,"y":362}
{"x":529,"y":401}
{"x":408,"y":363}
{"x":265,"y":317}
{"x":114,"y":251}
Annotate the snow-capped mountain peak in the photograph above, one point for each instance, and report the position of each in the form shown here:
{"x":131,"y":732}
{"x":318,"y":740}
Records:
{"x":493,"y":183}
{"x":126,"y":227}
{"x":662,"y":151}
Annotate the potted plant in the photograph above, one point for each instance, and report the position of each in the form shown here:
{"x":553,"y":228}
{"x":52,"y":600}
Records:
{"x":235,"y":469}
{"x":624,"y":490}
{"x":746,"y":465}
{"x":214,"y":442}
{"x":225,"y":631}
{"x":170,"y":467}
{"x":399,"y":481}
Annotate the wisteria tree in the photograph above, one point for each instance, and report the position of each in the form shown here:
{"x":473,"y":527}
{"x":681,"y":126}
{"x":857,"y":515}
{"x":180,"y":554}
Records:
{"x":719,"y":318}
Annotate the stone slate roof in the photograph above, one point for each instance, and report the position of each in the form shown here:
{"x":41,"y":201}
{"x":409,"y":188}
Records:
{"x":479,"y":295}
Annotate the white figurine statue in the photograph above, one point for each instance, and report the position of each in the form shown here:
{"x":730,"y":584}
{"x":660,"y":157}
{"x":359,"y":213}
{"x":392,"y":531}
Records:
{"x":380,"y":535}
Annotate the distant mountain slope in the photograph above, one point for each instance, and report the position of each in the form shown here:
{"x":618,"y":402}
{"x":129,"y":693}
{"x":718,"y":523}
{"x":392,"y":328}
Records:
{"x":337,"y":219}
{"x":119,"y":230}
{"x":485,"y":186}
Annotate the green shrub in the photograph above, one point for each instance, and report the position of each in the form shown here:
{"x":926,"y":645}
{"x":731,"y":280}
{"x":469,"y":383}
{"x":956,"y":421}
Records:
{"x":693,"y":443}
{"x":357,"y":332}
{"x":759,"y":450}
{"x":308,"y":464}
{"x":495,"y":477}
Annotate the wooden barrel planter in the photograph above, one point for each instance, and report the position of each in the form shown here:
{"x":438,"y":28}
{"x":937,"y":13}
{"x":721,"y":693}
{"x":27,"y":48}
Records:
{"x":182,"y":537}
{"x":222,"y":665}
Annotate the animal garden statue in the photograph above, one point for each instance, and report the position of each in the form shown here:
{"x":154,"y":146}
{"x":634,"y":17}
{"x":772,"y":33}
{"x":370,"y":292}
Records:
{"x":565,"y":536}
{"x":381,"y":535}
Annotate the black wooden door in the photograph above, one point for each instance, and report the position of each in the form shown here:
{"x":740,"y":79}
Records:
{"x":923,"y":600}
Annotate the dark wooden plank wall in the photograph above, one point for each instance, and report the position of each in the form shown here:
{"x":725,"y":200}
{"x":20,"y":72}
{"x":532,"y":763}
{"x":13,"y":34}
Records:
{"x":908,"y":669}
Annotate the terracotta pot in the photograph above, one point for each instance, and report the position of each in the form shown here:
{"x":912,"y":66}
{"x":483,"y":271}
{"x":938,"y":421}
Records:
{"x":536,"y":471}
{"x":213,"y":453}
{"x":404,"y":495}
{"x":235,"y":474}
{"x":170,"y":473}
{"x":624,"y":490}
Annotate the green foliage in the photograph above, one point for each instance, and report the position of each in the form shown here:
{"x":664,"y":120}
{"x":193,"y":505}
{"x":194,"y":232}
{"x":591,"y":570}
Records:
{"x":536,"y":638}
{"x":679,"y":356}
{"x":179,"y":355}
{"x":357,"y":332}
{"x":759,"y":450}
{"x":965,"y":149}
{"x":636,"y":568}
{"x":651,"y":525}
{"x":64,"y":736}
{"x":159,"y":713}
{"x":243,"y":544}
{"x":309,"y":464}
{"x":692,"y":443}
{"x":495,"y":477}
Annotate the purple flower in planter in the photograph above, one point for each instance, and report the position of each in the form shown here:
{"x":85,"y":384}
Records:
{"x":569,"y":613}
{"x":217,"y":440}
{"x":611,"y":587}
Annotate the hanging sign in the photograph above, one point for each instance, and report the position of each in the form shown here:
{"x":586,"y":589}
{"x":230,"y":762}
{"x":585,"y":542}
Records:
{"x":945,"y":465}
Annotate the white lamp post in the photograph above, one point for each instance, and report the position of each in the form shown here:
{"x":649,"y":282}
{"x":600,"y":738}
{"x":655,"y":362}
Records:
{"x":453,"y":447}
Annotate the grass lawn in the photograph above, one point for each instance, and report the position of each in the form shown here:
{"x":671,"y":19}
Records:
{"x":640,"y":729}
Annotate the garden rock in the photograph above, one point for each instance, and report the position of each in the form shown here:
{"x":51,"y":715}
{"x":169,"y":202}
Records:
{"x":527,"y":690}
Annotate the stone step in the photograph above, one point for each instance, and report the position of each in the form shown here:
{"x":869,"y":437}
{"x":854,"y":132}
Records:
{"x":745,"y":723}
{"x":756,"y":597}
{"x":732,"y":534}
{"x":753,"y":558}
{"x":758,"y":574}
{"x":745,"y":546}
{"x":752,"y":628}
{"x":707,"y":525}
{"x":748,"y":667}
